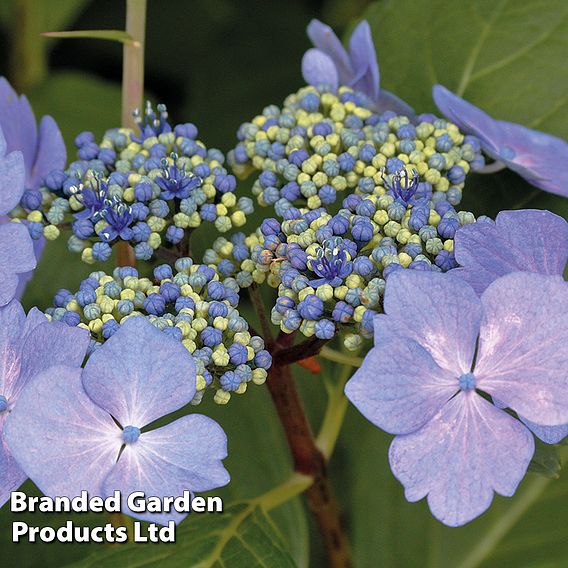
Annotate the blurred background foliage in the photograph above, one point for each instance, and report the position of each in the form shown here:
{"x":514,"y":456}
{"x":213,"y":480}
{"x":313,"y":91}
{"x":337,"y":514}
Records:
{"x":218,"y":64}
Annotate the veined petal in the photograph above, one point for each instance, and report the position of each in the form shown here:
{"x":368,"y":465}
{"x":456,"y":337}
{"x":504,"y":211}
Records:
{"x":438,"y":311}
{"x":51,"y":153}
{"x":62,"y":440}
{"x":399,"y":387}
{"x":519,"y":241}
{"x":324,"y":38}
{"x":318,"y":69}
{"x":548,"y":434}
{"x":11,"y":474}
{"x":523,"y":347}
{"x":12,"y":180}
{"x":135,"y":383}
{"x":182,"y":456}
{"x":470,"y":450}
{"x":388,"y":101}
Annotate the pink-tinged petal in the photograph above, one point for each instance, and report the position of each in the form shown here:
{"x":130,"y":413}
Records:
{"x":11,"y":474}
{"x":34,"y":318}
{"x":548,"y":434}
{"x":18,"y":123}
{"x":318,"y":69}
{"x":12,"y":323}
{"x":438,"y":311}
{"x":399,"y":387}
{"x":364,"y":61}
{"x":523,"y":346}
{"x":46,"y":345}
{"x":519,"y":241}
{"x":12,"y":180}
{"x":16,"y":256}
{"x":532,"y":154}
{"x":62,"y":440}
{"x":461,"y":457}
{"x":324,"y":38}
{"x":51,"y":153}
{"x":140,"y":374}
{"x":182,"y":456}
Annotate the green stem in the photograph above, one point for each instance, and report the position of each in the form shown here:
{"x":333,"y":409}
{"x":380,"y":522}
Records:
{"x":296,"y":485}
{"x":132,"y":86}
{"x":495,"y":534}
{"x":339,"y":357}
{"x":28,"y":58}
{"x":334,"y":415}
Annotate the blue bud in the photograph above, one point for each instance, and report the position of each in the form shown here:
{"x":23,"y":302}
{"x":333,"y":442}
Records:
{"x":263,"y":359}
{"x":311,"y":307}
{"x":155,"y":304}
{"x":211,"y":336}
{"x":324,"y":329}
{"x":102,"y":251}
{"x":110,"y":327}
{"x":229,"y":381}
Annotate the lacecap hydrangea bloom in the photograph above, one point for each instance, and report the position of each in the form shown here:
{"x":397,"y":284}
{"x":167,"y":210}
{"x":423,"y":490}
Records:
{"x":76,"y":431}
{"x":329,"y":64}
{"x":42,"y":149}
{"x":150,"y":189}
{"x":440,"y":353}
{"x":28,"y":346}
{"x":321,"y":144}
{"x":192,"y":306}
{"x":534,"y":155}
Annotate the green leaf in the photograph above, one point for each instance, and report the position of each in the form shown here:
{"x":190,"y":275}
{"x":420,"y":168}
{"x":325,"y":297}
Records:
{"x":242,"y":536}
{"x":507,"y":57}
{"x":546,"y":460}
{"x":112,"y":35}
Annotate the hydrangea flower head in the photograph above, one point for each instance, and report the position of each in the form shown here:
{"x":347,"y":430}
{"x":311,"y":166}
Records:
{"x":532,"y":154}
{"x":423,"y":380}
{"x":518,"y":241}
{"x":328,"y":63}
{"x":28,"y":345}
{"x":92,"y":427}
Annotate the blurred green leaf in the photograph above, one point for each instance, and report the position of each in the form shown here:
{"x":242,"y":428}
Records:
{"x":112,"y":35}
{"x":507,"y":57}
{"x":546,"y":461}
{"x":388,"y":531}
{"x":242,"y":536}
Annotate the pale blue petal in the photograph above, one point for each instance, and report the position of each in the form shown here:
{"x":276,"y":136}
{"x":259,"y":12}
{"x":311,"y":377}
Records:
{"x":399,"y":387}
{"x":182,"y":456}
{"x":461,"y":457}
{"x":63,"y":441}
{"x":523,"y":347}
{"x":12,"y":180}
{"x":12,"y":324}
{"x":140,"y":374}
{"x":318,"y":69}
{"x":438,"y":311}
{"x":519,"y":241}
{"x":532,"y":154}
{"x":16,"y":256}
{"x":363,"y":57}
{"x":548,"y":434}
{"x":387,"y":101}
{"x":11,"y":474}
{"x":49,"y":344}
{"x":324,"y":38}
{"x":51,"y":153}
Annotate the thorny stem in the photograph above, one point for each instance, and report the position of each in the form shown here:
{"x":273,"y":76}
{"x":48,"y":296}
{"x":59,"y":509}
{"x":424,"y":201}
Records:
{"x":132,"y":86}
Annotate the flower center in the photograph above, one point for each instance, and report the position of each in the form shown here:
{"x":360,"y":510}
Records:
{"x":331,"y":262}
{"x":130,"y":434}
{"x":3,"y":403}
{"x":467,"y":381}
{"x":401,"y":185}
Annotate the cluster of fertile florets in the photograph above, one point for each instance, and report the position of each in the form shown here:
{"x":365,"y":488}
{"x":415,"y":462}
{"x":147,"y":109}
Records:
{"x":192,"y":306}
{"x":321,"y":144}
{"x":149,"y":189}
{"x":330,"y":270}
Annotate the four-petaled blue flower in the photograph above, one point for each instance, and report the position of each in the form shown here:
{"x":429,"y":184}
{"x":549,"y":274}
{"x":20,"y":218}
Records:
{"x":332,"y":263}
{"x":534,"y":155}
{"x":28,"y":346}
{"x":329,"y":64}
{"x":423,"y":381}
{"x":119,"y":218}
{"x":175,"y":182}
{"x":95,"y":200}
{"x":72,"y":432}
{"x":401,"y":185}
